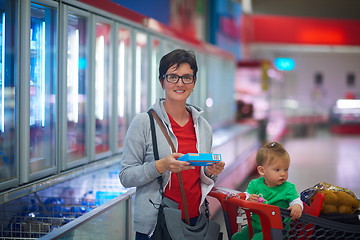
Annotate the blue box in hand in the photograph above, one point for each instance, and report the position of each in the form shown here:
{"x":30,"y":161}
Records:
{"x":201,"y":159}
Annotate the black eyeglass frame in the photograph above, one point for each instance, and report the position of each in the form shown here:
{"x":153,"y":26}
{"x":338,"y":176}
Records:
{"x":178,"y":77}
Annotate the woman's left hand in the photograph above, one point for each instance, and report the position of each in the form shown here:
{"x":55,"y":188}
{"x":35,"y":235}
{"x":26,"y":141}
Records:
{"x":215,"y":169}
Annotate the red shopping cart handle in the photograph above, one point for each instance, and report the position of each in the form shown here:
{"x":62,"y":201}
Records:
{"x":231,"y":200}
{"x":270,"y":216}
{"x":222,"y":195}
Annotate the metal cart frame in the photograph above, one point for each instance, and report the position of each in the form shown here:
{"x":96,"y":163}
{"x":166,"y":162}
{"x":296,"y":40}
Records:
{"x":309,"y":226}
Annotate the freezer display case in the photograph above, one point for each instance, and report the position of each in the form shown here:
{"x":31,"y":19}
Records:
{"x":40,"y":212}
{"x":345,"y":116}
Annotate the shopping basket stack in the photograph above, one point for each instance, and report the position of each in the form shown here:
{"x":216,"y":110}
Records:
{"x":309,"y":226}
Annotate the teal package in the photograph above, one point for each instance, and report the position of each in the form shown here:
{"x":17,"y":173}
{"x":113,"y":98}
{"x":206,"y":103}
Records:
{"x":201,"y":159}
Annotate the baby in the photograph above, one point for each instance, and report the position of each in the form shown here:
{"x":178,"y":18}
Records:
{"x":272,"y":187}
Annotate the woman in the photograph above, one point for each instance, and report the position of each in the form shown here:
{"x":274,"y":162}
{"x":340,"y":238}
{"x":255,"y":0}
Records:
{"x":189,"y":132}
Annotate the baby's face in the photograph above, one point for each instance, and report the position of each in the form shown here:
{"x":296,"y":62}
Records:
{"x":276,"y":173}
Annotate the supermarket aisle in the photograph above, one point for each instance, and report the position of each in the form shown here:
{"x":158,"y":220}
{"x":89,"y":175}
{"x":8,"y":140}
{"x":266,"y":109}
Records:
{"x":325,"y":157}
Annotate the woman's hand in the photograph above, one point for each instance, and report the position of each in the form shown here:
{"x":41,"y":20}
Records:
{"x":215,"y":169}
{"x":170,"y":163}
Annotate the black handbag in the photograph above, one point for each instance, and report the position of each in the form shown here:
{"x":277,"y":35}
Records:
{"x":170,"y":225}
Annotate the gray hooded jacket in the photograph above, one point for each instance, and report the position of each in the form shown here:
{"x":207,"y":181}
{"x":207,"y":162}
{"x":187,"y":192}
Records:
{"x":138,"y":165}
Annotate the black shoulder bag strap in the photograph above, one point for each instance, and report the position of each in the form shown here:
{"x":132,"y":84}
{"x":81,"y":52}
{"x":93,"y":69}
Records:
{"x":155,"y":150}
{"x":152,"y":115}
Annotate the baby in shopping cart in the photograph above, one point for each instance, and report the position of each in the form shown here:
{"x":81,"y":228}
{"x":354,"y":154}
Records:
{"x":272,"y":187}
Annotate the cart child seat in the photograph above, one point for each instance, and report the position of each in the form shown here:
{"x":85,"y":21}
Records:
{"x":271,"y":217}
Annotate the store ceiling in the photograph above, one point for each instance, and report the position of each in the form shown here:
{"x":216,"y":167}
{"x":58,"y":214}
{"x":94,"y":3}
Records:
{"x":335,"y":9}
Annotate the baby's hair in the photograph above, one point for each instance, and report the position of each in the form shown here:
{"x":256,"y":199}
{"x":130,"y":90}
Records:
{"x":270,"y":151}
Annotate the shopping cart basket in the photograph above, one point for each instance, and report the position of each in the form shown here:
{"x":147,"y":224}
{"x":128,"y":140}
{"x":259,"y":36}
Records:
{"x":309,"y":226}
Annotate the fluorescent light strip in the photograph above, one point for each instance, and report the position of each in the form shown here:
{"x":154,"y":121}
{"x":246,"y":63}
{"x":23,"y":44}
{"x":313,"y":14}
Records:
{"x":138,"y":80}
{"x":2,"y":105}
{"x":121,"y":94}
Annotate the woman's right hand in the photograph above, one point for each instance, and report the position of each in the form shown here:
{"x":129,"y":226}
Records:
{"x":170,"y":163}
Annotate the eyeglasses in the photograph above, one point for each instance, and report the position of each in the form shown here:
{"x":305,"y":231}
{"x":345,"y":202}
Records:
{"x":173,"y":78}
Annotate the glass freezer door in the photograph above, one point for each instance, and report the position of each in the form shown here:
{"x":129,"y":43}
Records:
{"x":8,"y":105}
{"x":124,"y":74}
{"x":102,"y":87}
{"x":42,"y":87}
{"x":76,"y":87}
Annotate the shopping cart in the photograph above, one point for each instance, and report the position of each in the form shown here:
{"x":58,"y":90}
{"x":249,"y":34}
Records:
{"x":309,"y":226}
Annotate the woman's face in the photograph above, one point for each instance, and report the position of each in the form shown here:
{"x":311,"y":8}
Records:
{"x":178,"y":91}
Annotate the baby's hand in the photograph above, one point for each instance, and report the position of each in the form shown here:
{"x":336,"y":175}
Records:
{"x":296,"y":211}
{"x":253,"y":198}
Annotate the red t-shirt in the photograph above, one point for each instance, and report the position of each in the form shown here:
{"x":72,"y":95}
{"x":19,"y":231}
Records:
{"x":191,"y":178}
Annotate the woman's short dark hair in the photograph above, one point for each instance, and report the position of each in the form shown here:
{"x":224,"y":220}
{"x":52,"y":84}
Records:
{"x":177,"y":57}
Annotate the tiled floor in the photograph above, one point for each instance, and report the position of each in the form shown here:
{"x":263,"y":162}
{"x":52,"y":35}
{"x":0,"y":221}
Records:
{"x":322,"y":157}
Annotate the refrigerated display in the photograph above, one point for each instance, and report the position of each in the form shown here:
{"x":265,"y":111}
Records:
{"x":39,"y":213}
{"x":344,"y":117}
